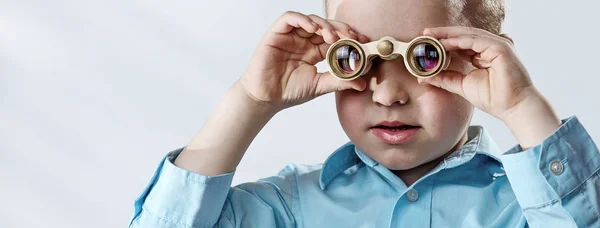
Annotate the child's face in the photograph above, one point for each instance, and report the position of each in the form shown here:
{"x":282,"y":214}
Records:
{"x":443,"y":117}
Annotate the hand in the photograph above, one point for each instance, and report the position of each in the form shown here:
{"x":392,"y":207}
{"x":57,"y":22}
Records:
{"x":499,"y":83}
{"x":281,"y":72}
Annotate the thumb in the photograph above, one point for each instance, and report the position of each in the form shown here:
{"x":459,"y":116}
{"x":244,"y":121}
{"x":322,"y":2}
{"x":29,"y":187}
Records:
{"x":327,"y":83}
{"x":451,"y":81}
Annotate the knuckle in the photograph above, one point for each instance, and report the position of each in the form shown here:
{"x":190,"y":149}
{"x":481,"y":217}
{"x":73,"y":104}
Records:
{"x":327,"y":25}
{"x":471,"y":38}
{"x":315,"y":17}
{"x":508,"y":49}
{"x":502,"y":43}
{"x":284,"y":16}
{"x":502,"y":48}
{"x":288,"y":14}
{"x":341,"y":25}
{"x":474,"y":30}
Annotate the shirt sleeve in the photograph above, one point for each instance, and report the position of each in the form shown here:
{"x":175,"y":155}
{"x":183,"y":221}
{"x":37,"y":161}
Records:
{"x":176,"y":197}
{"x":557,"y":182}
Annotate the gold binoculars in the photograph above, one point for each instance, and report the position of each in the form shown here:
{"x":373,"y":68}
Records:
{"x":424,"y":56}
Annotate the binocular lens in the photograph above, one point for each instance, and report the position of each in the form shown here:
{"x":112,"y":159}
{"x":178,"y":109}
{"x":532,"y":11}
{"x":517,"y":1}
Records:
{"x":348,"y":58}
{"x":426,"y":56}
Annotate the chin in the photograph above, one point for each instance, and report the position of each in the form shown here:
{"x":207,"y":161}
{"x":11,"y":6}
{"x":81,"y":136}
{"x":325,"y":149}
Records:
{"x":396,"y":159}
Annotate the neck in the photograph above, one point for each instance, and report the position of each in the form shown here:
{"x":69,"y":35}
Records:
{"x":410,"y":176}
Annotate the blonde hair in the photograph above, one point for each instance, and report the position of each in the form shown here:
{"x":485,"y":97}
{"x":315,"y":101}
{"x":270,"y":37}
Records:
{"x":484,"y":14}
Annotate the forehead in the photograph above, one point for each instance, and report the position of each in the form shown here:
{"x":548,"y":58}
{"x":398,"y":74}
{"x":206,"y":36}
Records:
{"x":401,"y":19}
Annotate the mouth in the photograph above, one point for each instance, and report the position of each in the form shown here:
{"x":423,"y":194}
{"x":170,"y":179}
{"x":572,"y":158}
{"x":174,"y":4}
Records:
{"x":394,"y":132}
{"x":398,"y":128}
{"x":394,"y":126}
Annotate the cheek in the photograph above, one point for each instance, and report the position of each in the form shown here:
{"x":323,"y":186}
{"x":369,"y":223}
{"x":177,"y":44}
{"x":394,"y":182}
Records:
{"x":350,"y":106}
{"x":445,"y":113}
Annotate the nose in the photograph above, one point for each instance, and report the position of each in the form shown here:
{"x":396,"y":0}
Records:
{"x":389,"y":84}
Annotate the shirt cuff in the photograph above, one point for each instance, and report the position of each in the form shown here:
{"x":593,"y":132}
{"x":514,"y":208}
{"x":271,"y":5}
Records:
{"x":554,"y":168}
{"x":179,"y":196}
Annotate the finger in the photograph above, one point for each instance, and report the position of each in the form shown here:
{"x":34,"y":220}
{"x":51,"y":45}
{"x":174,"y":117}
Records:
{"x":448,"y":80}
{"x":343,"y":29}
{"x":503,"y":35}
{"x":323,"y":48}
{"x":290,"y":20}
{"x":327,"y":30}
{"x":478,"y":62}
{"x":303,"y":33}
{"x":316,"y":39}
{"x":463,"y":55}
{"x":327,"y":83}
{"x":468,"y":52}
{"x":363,"y":39}
{"x":487,"y":48}
{"x":454,"y":31}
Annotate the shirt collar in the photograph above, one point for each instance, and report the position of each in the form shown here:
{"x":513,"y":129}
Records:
{"x":348,"y":155}
{"x":340,"y":160}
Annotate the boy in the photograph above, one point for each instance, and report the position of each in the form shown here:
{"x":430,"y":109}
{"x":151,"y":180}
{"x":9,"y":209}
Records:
{"x":413,"y":160}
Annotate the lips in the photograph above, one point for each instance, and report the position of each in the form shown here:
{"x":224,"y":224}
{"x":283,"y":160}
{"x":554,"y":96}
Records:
{"x":394,"y":132}
{"x":394,"y":125}
{"x":398,"y":128}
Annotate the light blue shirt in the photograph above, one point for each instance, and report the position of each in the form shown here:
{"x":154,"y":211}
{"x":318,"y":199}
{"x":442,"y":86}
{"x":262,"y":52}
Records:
{"x":555,"y":184}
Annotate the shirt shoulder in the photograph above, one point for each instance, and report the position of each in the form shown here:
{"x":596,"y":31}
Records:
{"x":320,"y":174}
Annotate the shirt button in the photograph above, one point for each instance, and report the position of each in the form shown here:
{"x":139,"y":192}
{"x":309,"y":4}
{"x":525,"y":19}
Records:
{"x":556,"y":167}
{"x":412,"y":195}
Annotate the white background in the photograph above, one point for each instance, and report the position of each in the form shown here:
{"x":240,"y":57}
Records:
{"x":94,"y":93}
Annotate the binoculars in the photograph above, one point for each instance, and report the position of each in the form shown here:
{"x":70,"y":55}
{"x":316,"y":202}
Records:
{"x":424,"y":56}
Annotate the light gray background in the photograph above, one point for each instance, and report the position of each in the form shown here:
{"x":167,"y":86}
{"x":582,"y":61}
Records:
{"x":94,"y":93}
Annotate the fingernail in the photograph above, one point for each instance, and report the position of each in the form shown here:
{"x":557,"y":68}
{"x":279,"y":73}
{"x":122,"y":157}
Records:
{"x":352,"y":32}
{"x":315,"y":24}
{"x":363,"y":38}
{"x":334,"y":33}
